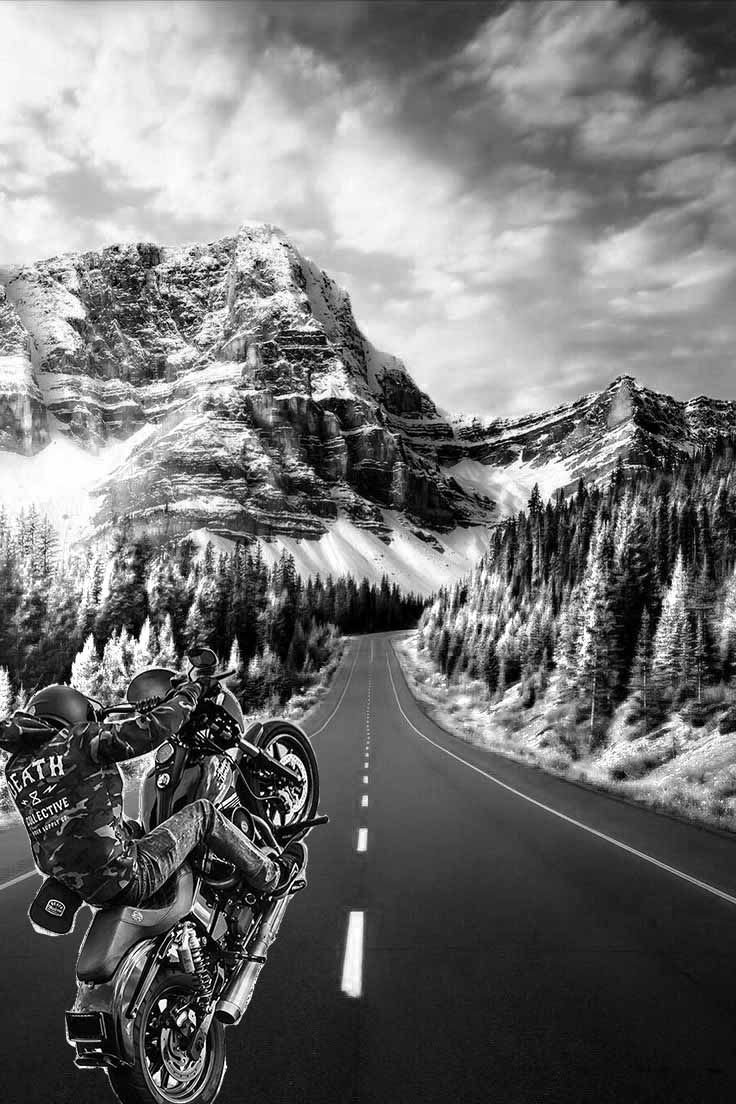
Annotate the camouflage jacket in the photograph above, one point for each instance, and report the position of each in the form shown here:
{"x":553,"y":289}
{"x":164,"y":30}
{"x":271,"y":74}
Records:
{"x":69,"y":792}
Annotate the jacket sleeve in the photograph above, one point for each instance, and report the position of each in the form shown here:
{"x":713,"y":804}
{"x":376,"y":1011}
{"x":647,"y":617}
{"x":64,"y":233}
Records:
{"x":116,"y":741}
{"x":23,"y":731}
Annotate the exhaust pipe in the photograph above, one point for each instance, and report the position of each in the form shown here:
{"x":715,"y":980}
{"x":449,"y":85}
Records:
{"x":237,"y":994}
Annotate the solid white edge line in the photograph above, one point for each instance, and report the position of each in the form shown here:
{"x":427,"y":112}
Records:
{"x":345,"y":690}
{"x":352,"y":965}
{"x":20,"y":878}
{"x":362,"y":844}
{"x":563,"y":816}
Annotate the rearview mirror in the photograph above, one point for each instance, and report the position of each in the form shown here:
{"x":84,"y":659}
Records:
{"x":202,"y":658}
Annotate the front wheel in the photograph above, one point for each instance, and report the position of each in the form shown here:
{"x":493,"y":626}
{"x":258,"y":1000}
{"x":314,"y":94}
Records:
{"x":163,"y":1071}
{"x":288,"y":802}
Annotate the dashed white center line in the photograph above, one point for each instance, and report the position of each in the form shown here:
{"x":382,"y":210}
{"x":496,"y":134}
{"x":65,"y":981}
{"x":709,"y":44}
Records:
{"x":362,"y":839}
{"x":365,"y":779}
{"x":364,"y":801}
{"x":352,"y":967}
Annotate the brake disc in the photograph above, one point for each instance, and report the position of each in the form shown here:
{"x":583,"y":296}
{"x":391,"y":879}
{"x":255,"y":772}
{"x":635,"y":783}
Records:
{"x":174,"y":1053}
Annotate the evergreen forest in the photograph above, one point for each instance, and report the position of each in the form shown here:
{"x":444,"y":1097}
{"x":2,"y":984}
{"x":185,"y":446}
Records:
{"x":614,"y":593}
{"x":97,"y":617}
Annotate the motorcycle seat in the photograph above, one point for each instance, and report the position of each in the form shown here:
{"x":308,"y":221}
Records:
{"x":115,"y":930}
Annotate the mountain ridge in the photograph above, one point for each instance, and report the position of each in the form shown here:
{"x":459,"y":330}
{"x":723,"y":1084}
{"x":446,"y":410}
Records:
{"x":226,"y":389}
{"x":585,"y":438}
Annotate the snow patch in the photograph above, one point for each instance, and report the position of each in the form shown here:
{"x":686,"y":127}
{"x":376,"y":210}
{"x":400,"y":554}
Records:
{"x":407,"y":560}
{"x":62,"y":479}
{"x":511,"y":485}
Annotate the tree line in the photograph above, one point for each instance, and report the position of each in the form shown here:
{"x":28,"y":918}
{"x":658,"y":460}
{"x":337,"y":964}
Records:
{"x":100,"y":615}
{"x":622,"y":591}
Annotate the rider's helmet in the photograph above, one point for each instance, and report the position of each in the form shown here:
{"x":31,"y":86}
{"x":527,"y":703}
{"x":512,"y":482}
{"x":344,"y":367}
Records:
{"x":61,"y":706}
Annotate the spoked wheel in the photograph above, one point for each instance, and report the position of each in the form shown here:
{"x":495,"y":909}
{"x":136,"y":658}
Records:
{"x":284,"y":803}
{"x":164,"y":1071}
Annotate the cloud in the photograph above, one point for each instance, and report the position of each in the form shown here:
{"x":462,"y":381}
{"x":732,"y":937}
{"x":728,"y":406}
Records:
{"x":541,"y":61}
{"x":523,"y":201}
{"x":166,"y":104}
{"x":627,"y":126}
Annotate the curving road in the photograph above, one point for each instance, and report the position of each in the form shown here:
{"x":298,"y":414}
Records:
{"x":513,"y":938}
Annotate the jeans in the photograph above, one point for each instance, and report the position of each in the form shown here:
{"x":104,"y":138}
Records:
{"x":160,"y":853}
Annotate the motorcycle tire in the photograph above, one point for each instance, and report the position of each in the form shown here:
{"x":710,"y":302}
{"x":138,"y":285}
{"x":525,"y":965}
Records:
{"x":286,"y":740}
{"x":158,"y":1054}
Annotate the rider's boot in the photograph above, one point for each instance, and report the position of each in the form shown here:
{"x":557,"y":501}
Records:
{"x":292,"y":861}
{"x":292,"y":864}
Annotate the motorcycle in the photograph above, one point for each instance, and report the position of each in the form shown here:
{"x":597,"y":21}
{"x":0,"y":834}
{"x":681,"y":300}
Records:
{"x":159,"y":984}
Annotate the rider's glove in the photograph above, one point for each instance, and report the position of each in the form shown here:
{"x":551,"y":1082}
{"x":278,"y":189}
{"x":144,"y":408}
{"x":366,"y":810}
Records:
{"x":190,"y":691}
{"x":211,"y":688}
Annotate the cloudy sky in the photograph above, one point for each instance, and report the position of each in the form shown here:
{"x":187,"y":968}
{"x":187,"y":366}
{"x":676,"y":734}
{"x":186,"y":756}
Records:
{"x":525,"y":200}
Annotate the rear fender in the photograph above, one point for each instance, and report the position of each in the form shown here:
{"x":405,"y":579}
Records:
{"x":114,"y":997}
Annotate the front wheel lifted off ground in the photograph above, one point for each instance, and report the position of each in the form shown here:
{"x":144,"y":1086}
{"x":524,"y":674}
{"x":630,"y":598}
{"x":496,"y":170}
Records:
{"x":298,"y":801}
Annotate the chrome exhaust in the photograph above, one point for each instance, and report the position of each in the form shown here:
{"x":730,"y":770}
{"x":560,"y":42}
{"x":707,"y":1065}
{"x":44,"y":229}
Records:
{"x":237,"y":994}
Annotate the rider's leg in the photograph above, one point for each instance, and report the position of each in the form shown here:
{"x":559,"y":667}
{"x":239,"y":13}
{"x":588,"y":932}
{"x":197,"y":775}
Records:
{"x":162,"y":851}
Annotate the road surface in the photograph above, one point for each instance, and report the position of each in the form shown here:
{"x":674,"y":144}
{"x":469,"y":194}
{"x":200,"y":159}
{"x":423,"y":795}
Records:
{"x":513,"y":938}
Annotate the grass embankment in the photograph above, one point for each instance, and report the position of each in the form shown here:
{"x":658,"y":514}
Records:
{"x":683,"y":767}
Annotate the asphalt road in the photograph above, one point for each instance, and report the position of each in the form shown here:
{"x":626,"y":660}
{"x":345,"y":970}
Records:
{"x":523,"y":939}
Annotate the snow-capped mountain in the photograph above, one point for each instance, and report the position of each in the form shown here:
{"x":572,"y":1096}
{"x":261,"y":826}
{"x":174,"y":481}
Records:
{"x":505,"y":457}
{"x":224,"y":388}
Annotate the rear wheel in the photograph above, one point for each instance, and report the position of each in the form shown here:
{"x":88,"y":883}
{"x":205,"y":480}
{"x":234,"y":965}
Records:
{"x":163,"y":1071}
{"x":288,"y":802}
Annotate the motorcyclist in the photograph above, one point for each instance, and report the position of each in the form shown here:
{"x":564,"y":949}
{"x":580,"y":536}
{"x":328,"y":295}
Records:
{"x":63,"y":777}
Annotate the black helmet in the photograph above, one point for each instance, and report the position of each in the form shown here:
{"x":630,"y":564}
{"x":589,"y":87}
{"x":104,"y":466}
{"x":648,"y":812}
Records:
{"x":62,"y":706}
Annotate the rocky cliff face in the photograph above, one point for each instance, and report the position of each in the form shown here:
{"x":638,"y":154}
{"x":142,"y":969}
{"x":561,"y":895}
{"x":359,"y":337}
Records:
{"x":255,"y":403}
{"x":23,"y":422}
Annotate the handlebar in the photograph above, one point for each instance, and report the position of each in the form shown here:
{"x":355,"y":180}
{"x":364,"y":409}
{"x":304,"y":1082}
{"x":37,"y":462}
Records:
{"x":205,"y":678}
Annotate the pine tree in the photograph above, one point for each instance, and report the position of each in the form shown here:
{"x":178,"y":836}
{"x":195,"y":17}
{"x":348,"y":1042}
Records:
{"x":641,"y":675}
{"x":166,"y":654}
{"x":125,"y":605}
{"x":144,"y":648}
{"x":6,"y":693}
{"x":236,"y":681}
{"x":672,"y":630}
{"x":21,"y":698}
{"x":727,"y":633}
{"x":114,"y":669}
{"x":86,"y":674}
{"x":90,"y":598}
{"x":201,"y":623}
{"x":597,"y":666}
